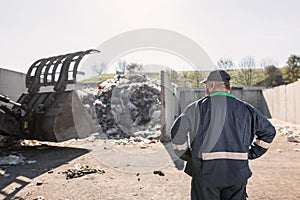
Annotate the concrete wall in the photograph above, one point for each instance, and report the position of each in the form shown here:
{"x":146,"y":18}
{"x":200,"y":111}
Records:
{"x":284,"y":101}
{"x":251,"y":95}
{"x":175,"y":104}
{"x":12,"y":84}
{"x":169,"y":106}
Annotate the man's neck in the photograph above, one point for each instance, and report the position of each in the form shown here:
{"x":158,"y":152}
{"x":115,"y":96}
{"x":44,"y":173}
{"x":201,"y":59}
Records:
{"x":218,"y":90}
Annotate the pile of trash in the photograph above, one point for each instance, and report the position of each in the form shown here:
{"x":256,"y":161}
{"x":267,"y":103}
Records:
{"x":140,"y":139}
{"x":123,"y":106}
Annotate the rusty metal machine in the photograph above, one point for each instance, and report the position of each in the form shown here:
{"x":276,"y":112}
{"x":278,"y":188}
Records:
{"x":56,"y":114}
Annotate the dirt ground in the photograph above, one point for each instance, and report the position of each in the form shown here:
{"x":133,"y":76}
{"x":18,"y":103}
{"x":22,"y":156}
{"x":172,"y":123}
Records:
{"x":129,"y":171}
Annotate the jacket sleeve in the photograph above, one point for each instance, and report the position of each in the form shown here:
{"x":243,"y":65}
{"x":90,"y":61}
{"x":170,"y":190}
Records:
{"x":264,"y":132}
{"x":180,"y":134}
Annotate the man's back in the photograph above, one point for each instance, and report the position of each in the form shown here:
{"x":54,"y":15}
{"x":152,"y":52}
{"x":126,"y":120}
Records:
{"x":215,"y":136}
{"x":221,"y":144}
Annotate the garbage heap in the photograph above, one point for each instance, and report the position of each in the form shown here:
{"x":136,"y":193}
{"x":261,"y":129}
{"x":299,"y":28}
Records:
{"x":125,"y":106}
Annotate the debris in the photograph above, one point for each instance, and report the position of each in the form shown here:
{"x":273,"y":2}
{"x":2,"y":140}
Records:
{"x":39,"y":183}
{"x":160,"y":173}
{"x":285,"y":131}
{"x":3,"y":172}
{"x":15,"y":160}
{"x":39,"y":198}
{"x":30,"y":161}
{"x":297,"y":150}
{"x":144,"y":147}
{"x":30,"y":143}
{"x":81,"y":170}
{"x":279,"y":150}
{"x":29,"y":193}
{"x":291,"y":132}
{"x":125,"y":105}
{"x":12,"y":160}
{"x":152,"y":142}
{"x":292,"y":139}
{"x":128,"y":109}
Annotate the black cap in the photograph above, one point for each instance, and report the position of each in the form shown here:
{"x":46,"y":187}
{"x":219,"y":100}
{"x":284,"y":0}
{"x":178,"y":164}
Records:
{"x":217,"y":75}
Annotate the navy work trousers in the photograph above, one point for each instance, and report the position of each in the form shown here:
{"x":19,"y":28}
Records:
{"x":201,"y":191}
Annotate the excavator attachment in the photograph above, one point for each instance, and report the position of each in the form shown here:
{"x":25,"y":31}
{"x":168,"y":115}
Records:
{"x":55,"y":114}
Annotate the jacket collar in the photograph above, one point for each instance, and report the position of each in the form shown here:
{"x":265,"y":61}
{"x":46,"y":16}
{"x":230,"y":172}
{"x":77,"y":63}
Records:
{"x":221,"y":93}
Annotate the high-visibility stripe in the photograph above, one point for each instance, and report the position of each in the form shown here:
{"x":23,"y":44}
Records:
{"x":225,"y":155}
{"x":181,"y":147}
{"x":263,"y":144}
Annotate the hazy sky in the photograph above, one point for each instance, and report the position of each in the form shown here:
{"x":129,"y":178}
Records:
{"x":33,"y":29}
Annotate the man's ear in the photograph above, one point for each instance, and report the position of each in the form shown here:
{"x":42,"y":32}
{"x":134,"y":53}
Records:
{"x":212,"y":84}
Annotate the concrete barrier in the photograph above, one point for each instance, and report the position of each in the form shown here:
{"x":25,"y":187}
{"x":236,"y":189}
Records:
{"x":175,"y":103}
{"x":283,"y":102}
{"x":170,"y":106}
{"x":290,"y":97}
{"x":297,"y":104}
{"x":12,"y":84}
{"x":251,"y":95}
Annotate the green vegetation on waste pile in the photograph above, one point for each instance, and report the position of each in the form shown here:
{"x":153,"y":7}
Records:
{"x":98,"y":78}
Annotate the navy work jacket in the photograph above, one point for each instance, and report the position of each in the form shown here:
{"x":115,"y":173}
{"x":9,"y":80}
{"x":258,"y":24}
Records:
{"x":217,"y":135}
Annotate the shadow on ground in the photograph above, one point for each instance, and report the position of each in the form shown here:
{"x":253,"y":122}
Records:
{"x":46,"y":157}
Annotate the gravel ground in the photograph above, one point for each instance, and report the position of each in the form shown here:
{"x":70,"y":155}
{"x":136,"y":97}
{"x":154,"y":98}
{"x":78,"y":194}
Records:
{"x":135,"y":171}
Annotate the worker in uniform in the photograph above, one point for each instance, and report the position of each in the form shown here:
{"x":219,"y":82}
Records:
{"x":217,"y":135}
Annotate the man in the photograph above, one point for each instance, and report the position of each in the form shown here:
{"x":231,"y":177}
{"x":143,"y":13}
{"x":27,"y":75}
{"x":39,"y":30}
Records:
{"x":215,"y":136}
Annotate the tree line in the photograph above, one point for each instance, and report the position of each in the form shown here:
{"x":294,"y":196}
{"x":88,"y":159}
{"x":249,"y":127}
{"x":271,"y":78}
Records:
{"x":248,"y":72}
{"x":265,"y":73}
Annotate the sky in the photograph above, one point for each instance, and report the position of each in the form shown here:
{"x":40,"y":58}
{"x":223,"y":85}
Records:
{"x":34,"y":29}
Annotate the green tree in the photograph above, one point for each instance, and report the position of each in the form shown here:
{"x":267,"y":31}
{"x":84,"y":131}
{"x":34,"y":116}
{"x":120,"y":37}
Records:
{"x":185,"y":77}
{"x":195,"y":77}
{"x":273,"y":77}
{"x":173,"y":75}
{"x":292,"y":70}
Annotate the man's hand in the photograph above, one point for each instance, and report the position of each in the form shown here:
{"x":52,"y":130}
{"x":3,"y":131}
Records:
{"x":256,"y":151}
